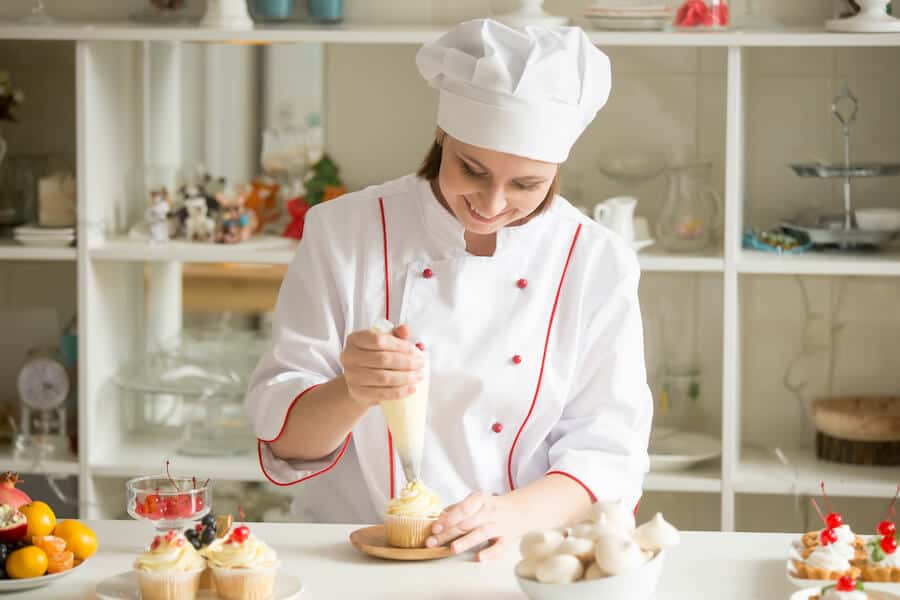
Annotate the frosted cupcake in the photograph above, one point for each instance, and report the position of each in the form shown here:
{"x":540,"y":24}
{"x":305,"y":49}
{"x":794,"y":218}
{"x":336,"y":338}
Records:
{"x":169,"y":569}
{"x":243,"y":567}
{"x":409,"y":517}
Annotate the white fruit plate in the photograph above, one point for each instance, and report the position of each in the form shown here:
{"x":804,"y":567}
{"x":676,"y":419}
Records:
{"x":124,"y":586}
{"x":19,"y":585}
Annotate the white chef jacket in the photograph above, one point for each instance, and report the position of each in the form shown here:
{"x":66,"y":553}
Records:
{"x":536,"y":353}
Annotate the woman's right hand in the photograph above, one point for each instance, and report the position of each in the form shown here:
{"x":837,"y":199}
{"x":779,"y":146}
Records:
{"x":380,"y":367}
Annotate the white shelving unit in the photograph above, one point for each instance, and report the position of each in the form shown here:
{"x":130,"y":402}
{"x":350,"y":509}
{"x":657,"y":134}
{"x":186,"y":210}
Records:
{"x":112,"y":273}
{"x":16,"y":251}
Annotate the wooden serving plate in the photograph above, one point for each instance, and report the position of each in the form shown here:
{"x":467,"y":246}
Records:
{"x":373,"y":541}
{"x":860,"y":419}
{"x":858,"y":430}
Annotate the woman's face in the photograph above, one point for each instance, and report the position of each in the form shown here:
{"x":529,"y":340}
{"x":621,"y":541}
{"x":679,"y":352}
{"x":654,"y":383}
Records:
{"x":487,"y":190}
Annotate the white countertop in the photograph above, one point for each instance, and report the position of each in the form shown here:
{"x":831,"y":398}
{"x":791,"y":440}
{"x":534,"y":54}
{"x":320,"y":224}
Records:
{"x":714,"y":566}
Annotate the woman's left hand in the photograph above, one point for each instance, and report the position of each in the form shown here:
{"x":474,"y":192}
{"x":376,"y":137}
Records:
{"x":478,"y":519}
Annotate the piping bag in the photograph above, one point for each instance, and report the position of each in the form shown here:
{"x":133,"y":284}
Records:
{"x":406,"y":416}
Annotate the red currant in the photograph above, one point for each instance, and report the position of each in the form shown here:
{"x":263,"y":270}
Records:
{"x":834,"y":520}
{"x":887,"y":528}
{"x":889,"y":544}
{"x":156,"y":542}
{"x":240,"y":534}
{"x":198,"y":503}
{"x":828,"y":537}
{"x":846,"y":584}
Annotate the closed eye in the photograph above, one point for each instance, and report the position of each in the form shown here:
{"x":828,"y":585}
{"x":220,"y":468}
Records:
{"x":470,"y":171}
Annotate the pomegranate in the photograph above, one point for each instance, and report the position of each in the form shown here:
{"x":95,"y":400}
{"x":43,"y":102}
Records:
{"x":9,"y":493}
{"x":13,"y":524}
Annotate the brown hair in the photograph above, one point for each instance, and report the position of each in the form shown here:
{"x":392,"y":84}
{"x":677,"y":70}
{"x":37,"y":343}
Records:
{"x":431,"y":168}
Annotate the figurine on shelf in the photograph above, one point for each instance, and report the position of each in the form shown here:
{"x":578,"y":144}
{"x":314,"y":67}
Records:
{"x":297,"y":208}
{"x":263,"y":201}
{"x":237,"y":223}
{"x":198,"y":226}
{"x":322,"y":182}
{"x":9,"y":98}
{"x":157,"y":215}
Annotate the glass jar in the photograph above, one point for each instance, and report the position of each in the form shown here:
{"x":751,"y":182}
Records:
{"x":702,"y":15}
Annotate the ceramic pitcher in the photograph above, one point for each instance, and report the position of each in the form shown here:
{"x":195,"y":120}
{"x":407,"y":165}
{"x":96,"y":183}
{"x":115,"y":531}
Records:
{"x":617,"y":214}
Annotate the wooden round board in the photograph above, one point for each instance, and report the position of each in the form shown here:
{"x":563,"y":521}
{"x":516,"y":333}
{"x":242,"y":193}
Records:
{"x":373,"y":541}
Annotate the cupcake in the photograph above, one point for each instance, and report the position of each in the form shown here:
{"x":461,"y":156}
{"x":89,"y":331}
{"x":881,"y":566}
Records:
{"x":170,"y":569}
{"x":243,"y":567}
{"x":409,"y":517}
{"x":204,"y":533}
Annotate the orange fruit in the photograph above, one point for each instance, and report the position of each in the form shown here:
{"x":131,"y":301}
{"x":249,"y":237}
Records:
{"x":26,"y":563}
{"x":49,"y":543}
{"x":80,"y":539}
{"x":41,"y":519}
{"x":60,"y":561}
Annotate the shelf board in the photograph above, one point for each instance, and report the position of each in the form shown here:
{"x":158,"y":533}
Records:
{"x":51,"y":467}
{"x":885,"y":263}
{"x":653,"y":259}
{"x":144,"y":458}
{"x":259,"y":250}
{"x":700,"y":479}
{"x":12,"y":250}
{"x":760,"y":472}
{"x":351,"y":33}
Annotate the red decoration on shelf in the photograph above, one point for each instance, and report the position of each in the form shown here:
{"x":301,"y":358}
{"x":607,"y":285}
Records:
{"x":297,"y":207}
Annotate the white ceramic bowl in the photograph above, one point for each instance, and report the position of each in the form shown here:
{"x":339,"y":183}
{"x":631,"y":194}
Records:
{"x":638,"y":584}
{"x":878,"y":219}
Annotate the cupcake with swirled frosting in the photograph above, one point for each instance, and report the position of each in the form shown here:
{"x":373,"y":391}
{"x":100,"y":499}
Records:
{"x":169,"y":569}
{"x":243,"y":566}
{"x":409,"y":517}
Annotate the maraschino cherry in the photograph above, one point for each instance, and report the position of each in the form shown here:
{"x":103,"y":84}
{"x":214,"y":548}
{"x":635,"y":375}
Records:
{"x":833,"y":520}
{"x":846,"y":584}
{"x":888,"y":527}
{"x":889,"y":544}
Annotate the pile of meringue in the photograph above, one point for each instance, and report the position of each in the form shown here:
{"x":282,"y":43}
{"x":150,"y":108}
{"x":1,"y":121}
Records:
{"x":606,"y":546}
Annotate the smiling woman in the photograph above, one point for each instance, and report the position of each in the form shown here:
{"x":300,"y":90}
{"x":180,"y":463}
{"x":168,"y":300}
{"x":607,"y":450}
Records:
{"x":517,"y":316}
{"x":487,"y":190}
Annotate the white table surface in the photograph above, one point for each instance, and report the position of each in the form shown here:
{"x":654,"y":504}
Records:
{"x":714,"y":566}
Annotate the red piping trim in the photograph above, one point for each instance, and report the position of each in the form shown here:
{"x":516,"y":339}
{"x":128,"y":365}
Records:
{"x":287,"y":414}
{"x":260,"y":442}
{"x":576,"y":480}
{"x":337,"y":459}
{"x":637,"y":506}
{"x":387,"y":315}
{"x":537,"y":391}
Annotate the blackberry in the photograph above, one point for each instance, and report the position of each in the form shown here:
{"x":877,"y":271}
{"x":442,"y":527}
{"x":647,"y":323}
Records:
{"x":208,"y":536}
{"x":209,"y":520}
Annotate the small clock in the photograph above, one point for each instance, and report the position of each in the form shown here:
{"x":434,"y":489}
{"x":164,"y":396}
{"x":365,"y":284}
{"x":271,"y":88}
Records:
{"x":43,"y":382}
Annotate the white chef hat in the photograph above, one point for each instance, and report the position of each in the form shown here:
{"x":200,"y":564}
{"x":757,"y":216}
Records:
{"x":529,"y":92}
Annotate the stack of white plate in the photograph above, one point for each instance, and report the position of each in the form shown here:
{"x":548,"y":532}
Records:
{"x":36,"y":235}
{"x":622,"y":15}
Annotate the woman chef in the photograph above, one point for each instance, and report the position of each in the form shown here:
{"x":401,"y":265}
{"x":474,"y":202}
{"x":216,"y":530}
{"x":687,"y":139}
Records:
{"x":527,"y":311}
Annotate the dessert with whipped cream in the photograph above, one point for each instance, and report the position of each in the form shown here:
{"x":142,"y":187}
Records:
{"x":169,"y":569}
{"x":838,"y":534}
{"x":243,"y":566}
{"x":409,"y":516}
{"x":846,"y":588}
{"x":835,"y":552}
{"x":882,"y":557}
{"x":607,"y":546}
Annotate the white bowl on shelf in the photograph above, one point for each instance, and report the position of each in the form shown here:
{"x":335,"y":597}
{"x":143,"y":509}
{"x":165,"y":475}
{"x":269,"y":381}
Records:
{"x":878,"y":219}
{"x":637,"y":584}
